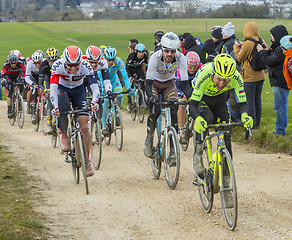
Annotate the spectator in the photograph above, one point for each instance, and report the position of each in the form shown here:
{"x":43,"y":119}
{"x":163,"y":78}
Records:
{"x":209,"y":49}
{"x":229,"y":38}
{"x":216,"y":35}
{"x":158,"y":35}
{"x":190,"y":44}
{"x":274,"y":59}
{"x":286,"y":44}
{"x":181,"y":43}
{"x":132,"y":45}
{"x":253,"y":80}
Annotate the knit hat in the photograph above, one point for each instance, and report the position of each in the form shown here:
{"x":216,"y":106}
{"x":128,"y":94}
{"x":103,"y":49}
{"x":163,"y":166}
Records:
{"x":216,"y":33}
{"x":228,"y":29}
{"x":286,"y":42}
{"x":185,"y":35}
{"x":158,"y":35}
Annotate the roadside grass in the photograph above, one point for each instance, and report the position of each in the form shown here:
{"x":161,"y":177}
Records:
{"x":18,"y":220}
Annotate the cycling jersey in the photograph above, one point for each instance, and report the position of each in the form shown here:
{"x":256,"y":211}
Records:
{"x":60,"y":76}
{"x":203,"y":85}
{"x":135,"y":65}
{"x":13,"y":73}
{"x":44,"y":75}
{"x":160,"y":71}
{"x":31,"y":73}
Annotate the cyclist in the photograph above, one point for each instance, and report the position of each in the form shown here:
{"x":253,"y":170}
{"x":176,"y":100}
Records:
{"x":194,"y":64}
{"x":98,"y":63}
{"x":136,"y":64}
{"x":13,"y":71}
{"x":52,"y":55}
{"x":66,"y":85}
{"x":160,"y":79}
{"x":31,"y":78}
{"x":208,"y":100}
{"x":114,"y":64}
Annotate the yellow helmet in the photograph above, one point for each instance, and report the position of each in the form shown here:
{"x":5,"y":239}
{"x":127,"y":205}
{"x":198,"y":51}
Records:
{"x":224,"y":66}
{"x":102,"y":48}
{"x":52,"y":54}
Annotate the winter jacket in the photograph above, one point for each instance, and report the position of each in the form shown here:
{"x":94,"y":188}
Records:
{"x":209,"y":49}
{"x":244,"y":54}
{"x":274,"y":58}
{"x":228,"y":44}
{"x":190,"y":44}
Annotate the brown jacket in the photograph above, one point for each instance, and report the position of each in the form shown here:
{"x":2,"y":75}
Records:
{"x":244,"y":54}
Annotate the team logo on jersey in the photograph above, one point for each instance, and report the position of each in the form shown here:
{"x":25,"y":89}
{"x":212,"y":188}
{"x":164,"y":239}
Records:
{"x":241,"y":91}
{"x":77,"y":78}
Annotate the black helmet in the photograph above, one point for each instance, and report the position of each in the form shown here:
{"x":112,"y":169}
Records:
{"x":12,"y":58}
{"x":158,"y":35}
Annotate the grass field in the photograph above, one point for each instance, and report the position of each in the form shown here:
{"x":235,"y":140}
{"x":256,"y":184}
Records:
{"x":27,"y":37}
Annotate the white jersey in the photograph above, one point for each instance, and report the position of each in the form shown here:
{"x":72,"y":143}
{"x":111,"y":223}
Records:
{"x":160,"y":71}
{"x":31,"y":71}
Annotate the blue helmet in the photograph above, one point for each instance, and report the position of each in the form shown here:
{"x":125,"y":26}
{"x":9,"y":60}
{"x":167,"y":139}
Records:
{"x":140,"y":47}
{"x":110,"y":53}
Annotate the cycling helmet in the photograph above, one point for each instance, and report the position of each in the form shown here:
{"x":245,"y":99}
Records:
{"x":12,"y":58}
{"x":224,"y":66}
{"x":16,"y":52}
{"x":72,"y":55}
{"x":37,"y":57}
{"x":170,"y":41}
{"x":41,"y":52}
{"x":193,"y":58}
{"x":52,"y":54}
{"x":93,"y":53}
{"x":110,"y":53}
{"x":140,"y":47}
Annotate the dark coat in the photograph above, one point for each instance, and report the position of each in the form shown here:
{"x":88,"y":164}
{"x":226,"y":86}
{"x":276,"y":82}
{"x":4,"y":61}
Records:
{"x":274,"y":58}
{"x":191,"y":45}
{"x":209,"y":48}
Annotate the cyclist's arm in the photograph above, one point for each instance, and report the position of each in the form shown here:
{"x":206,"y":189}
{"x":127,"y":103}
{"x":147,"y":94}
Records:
{"x":54,"y":82}
{"x":124,"y":74}
{"x":193,"y":109}
{"x":92,"y":82}
{"x":106,"y":80}
{"x":148,"y":88}
{"x":28,"y":74}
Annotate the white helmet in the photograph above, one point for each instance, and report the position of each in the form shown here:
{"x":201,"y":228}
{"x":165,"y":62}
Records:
{"x":170,"y":41}
{"x":37,"y":57}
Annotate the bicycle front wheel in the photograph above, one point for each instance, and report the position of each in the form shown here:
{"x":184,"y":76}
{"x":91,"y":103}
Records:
{"x":133,"y":107}
{"x":228,"y":192}
{"x":172,"y":158}
{"x":20,"y":112}
{"x":14,"y":106}
{"x":140,"y":105}
{"x":109,"y":126}
{"x":156,"y":159}
{"x":43,"y":116}
{"x":36,"y":125}
{"x":96,"y":146}
{"x":82,"y":159}
{"x":205,"y":186}
{"x":118,"y":128}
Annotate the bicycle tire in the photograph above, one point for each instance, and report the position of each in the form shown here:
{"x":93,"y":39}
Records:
{"x":118,"y":128}
{"x":155,"y":161}
{"x":107,"y":139}
{"x":140,"y":105}
{"x":172,"y":167}
{"x":133,"y":106}
{"x":37,"y":124}
{"x":189,"y":133}
{"x":43,"y":116}
{"x":20,"y":112}
{"x":205,"y":186}
{"x":96,"y":144}
{"x":231,"y":211}
{"x":74,"y":154}
{"x":83,"y":160}
{"x":14,"y":105}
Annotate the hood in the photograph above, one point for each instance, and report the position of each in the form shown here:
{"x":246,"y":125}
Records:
{"x":251,"y":30}
{"x":209,"y":46}
{"x":278,"y":32}
{"x":189,"y":42}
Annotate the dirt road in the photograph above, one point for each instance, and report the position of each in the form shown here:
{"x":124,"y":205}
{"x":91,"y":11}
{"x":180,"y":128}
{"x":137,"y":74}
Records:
{"x":125,"y":202}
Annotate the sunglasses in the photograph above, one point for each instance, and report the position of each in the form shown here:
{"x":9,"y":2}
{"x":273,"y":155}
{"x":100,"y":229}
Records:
{"x":193,"y":67}
{"x":223,"y":79}
{"x":169,"y":51}
{"x":93,"y":62}
{"x":111,"y":60}
{"x":76,"y":65}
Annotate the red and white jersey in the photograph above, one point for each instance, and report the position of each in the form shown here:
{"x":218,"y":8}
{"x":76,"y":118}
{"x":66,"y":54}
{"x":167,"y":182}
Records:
{"x":102,"y":64}
{"x":60,"y":75}
{"x":31,"y":72}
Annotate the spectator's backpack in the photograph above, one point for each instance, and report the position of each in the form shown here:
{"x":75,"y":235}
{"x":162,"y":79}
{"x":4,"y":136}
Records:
{"x":257,"y":63}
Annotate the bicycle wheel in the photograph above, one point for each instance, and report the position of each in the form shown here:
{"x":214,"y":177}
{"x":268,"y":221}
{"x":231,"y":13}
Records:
{"x":54,"y":136}
{"x":228,"y":192}
{"x":140,"y":105}
{"x":74,"y":156}
{"x":205,"y":186}
{"x":14,"y":106}
{"x":43,"y":116}
{"x":20,"y":112}
{"x":172,"y":158}
{"x":118,"y":128}
{"x":134,"y":107}
{"x":36,"y":125}
{"x":96,"y":144}
{"x":156,"y":159}
{"x":109,"y":126}
{"x":81,"y":156}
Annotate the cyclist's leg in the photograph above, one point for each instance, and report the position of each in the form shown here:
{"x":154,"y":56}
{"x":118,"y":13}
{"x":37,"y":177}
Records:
{"x":105,"y":112}
{"x":9,"y":98}
{"x":49,"y":116}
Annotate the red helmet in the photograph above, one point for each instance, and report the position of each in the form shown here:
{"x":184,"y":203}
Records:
{"x":72,"y":55}
{"x":16,"y":52}
{"x":193,"y":58}
{"x":93,"y":53}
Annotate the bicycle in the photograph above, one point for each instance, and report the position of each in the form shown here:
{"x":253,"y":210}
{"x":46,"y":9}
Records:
{"x":40,"y":111}
{"x":164,"y":139}
{"x":77,"y":155}
{"x":96,"y":140}
{"x":219,"y":175}
{"x":188,"y":131}
{"x":17,"y":106}
{"x":56,"y":135}
{"x":114,"y":123}
{"x":138,"y":104}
